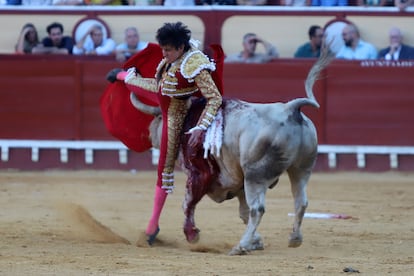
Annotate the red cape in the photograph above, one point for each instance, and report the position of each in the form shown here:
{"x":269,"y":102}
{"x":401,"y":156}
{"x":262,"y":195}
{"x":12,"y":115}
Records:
{"x":121,"y":118}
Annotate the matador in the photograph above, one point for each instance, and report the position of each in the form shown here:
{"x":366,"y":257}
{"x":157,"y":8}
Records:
{"x":184,"y":71}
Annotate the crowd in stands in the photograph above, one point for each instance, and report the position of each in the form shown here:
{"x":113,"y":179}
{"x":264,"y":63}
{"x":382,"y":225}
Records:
{"x":94,"y":41}
{"x":56,"y":42}
{"x":401,"y":4}
{"x":353,"y":48}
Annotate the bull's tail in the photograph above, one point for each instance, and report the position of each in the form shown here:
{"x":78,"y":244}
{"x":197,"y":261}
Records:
{"x":323,"y":61}
{"x":299,"y":102}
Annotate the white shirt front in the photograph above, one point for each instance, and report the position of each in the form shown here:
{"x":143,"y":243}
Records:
{"x":394,"y":56}
{"x":106,"y":48}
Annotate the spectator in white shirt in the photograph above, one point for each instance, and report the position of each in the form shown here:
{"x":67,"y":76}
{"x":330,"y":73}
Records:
{"x":130,"y":46}
{"x":94,"y":42}
{"x":354,"y":47}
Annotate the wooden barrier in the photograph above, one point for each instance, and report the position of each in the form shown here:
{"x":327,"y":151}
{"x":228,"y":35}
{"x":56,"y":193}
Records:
{"x":57,"y":98}
{"x":51,"y":96}
{"x":361,"y":102}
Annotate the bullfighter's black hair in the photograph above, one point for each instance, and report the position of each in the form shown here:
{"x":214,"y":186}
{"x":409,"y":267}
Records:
{"x":174,"y":34}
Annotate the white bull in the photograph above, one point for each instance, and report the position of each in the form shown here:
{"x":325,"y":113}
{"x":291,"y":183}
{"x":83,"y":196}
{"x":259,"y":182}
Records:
{"x":260,"y":142}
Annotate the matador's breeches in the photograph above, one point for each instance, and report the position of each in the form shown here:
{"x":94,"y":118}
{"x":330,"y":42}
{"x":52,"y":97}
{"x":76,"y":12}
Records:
{"x":177,"y":110}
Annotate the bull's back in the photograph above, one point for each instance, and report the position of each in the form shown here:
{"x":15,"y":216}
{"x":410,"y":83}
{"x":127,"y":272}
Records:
{"x":266,"y":138}
{"x":260,"y":125}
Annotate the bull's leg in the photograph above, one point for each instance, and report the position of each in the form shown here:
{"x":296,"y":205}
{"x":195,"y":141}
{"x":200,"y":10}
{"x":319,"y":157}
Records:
{"x":251,"y":240}
{"x":244,"y":215}
{"x":243,"y":207}
{"x":298,"y":180}
{"x":196,"y":188}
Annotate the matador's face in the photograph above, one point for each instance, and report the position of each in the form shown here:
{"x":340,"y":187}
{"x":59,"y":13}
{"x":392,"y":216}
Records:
{"x":171,"y":54}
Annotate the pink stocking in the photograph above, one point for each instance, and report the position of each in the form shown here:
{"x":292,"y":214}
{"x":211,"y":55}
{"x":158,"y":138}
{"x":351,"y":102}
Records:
{"x":159,"y":200}
{"x":160,"y":194}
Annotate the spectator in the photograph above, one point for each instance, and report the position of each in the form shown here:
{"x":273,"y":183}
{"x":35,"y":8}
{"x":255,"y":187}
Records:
{"x":55,"y":42}
{"x":93,"y":42}
{"x":295,"y":3}
{"x":329,"y":3}
{"x":131,"y":46}
{"x":397,"y":50}
{"x":312,"y":48}
{"x":403,"y":4}
{"x":354,"y":47}
{"x":249,"y":55}
{"x":28,"y":39}
{"x":372,"y":3}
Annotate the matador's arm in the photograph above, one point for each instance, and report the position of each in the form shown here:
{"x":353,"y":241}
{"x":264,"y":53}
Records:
{"x":143,"y":87}
{"x":135,"y":80}
{"x":208,"y":89}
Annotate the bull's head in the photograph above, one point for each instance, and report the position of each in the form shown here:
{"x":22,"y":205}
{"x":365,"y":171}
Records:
{"x":155,"y":127}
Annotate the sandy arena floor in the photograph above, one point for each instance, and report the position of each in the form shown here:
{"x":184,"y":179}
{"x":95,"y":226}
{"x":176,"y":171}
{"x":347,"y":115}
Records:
{"x":89,"y":223}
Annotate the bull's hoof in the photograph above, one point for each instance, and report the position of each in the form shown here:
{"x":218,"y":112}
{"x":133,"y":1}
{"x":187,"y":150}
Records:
{"x":238,"y":251}
{"x":295,"y":241}
{"x":151,"y":238}
{"x":192,"y":235}
{"x":258,"y":245}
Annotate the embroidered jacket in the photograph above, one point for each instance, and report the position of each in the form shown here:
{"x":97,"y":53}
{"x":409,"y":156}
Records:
{"x":185,"y":77}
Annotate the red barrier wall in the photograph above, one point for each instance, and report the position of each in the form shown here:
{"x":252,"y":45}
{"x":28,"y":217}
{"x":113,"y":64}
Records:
{"x":361,"y":102}
{"x":57,"y":98}
{"x":50,"y":97}
{"x":370,"y":105}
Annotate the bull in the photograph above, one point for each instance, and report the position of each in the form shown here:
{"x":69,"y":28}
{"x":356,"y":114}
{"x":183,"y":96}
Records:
{"x":260,"y":142}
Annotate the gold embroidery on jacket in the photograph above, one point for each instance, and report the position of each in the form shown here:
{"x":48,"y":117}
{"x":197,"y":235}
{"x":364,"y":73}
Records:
{"x":177,"y":111}
{"x":145,"y":83}
{"x":209,"y":91}
{"x":188,"y":66}
{"x":194,"y":62}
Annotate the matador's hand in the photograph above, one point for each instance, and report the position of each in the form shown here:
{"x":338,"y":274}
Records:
{"x":196,"y":138}
{"x":112,"y":75}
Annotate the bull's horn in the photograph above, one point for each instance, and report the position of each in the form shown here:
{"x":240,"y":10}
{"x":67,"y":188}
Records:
{"x":148,"y":109}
